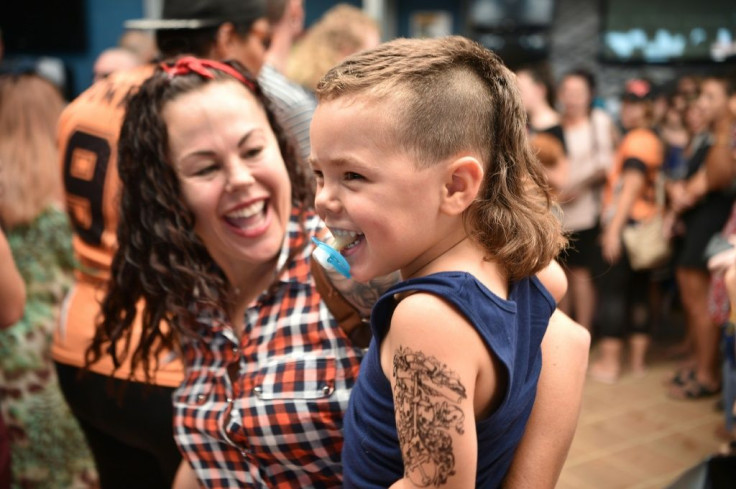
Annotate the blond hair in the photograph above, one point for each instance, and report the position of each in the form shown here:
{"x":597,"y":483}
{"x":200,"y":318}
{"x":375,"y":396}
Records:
{"x":30,"y":178}
{"x":340,"y":32}
{"x":451,"y":95}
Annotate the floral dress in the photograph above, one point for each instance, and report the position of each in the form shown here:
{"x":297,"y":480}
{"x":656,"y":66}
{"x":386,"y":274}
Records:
{"x":48,"y":448}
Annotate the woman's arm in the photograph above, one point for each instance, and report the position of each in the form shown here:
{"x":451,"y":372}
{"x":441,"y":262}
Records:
{"x":12,"y":287}
{"x":606,"y":139}
{"x":543,"y":449}
{"x":633,"y":184}
{"x":588,"y":178}
{"x":433,"y":359}
{"x":185,"y":477}
{"x":554,"y":279}
{"x":717,"y":171}
{"x":720,"y":163}
{"x":362,"y":295}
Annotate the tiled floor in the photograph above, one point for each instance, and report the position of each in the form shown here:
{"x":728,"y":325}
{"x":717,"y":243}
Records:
{"x":631,"y":436}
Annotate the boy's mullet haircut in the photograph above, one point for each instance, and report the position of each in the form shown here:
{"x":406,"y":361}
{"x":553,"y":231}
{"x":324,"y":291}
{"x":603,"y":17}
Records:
{"x":452,"y":95}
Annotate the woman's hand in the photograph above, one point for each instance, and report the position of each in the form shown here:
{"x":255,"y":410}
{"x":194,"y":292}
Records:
{"x":685,"y":194}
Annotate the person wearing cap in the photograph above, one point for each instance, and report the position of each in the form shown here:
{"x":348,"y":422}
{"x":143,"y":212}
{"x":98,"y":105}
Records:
{"x":629,"y":196}
{"x":130,"y":429}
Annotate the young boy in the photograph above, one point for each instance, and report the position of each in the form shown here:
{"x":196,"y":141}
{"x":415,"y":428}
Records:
{"x":422,"y":164}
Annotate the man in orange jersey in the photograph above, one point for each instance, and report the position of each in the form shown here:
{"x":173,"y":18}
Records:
{"x":130,"y":430}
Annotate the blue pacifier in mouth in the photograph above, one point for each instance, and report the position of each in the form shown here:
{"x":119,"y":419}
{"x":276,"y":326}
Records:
{"x":330,"y":258}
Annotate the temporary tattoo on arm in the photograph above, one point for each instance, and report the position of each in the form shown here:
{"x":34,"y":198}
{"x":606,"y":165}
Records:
{"x":363,"y":296}
{"x":427,"y":399}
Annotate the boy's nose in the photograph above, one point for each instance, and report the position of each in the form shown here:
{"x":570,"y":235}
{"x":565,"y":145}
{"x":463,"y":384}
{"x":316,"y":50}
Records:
{"x":326,"y":201}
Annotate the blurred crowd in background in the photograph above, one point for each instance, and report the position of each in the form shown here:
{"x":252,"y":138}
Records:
{"x":668,"y":155}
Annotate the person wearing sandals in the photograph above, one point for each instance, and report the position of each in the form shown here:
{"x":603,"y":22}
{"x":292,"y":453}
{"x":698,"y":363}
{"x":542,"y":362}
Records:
{"x":629,"y":197}
{"x":703,"y":203}
{"x":589,"y":139}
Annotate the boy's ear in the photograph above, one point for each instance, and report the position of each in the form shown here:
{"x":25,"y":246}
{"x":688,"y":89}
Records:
{"x":463,"y":179}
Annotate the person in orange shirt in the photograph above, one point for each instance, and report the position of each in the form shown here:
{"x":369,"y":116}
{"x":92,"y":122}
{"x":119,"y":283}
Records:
{"x":629,"y":196}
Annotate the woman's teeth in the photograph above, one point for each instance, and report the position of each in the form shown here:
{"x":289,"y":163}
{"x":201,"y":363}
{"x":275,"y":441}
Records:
{"x":249,"y":211}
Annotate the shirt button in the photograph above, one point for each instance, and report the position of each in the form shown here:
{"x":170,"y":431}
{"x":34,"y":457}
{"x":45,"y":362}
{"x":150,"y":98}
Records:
{"x":229,"y":399}
{"x":201,"y":397}
{"x":236,"y":350}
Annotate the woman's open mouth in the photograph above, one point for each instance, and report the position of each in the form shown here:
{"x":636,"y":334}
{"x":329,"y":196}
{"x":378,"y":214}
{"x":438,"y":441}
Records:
{"x":249,"y":219}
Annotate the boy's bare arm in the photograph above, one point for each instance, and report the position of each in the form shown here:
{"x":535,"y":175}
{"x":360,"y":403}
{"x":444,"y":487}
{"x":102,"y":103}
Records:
{"x":543,"y":449}
{"x":431,"y":356}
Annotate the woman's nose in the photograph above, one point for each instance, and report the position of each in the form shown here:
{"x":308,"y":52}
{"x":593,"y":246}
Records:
{"x":238,"y":175}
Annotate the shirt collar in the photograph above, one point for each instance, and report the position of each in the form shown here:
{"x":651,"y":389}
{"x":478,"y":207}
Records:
{"x":303,"y":224}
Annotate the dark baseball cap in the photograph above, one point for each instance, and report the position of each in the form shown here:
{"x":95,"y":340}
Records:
{"x":638,"y":90}
{"x":200,"y":14}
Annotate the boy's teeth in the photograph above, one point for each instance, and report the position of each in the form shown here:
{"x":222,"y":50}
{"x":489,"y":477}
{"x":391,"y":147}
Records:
{"x":249,"y":211}
{"x":343,"y":238}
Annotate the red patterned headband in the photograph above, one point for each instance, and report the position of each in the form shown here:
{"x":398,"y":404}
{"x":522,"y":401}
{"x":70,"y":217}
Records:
{"x":203,"y":67}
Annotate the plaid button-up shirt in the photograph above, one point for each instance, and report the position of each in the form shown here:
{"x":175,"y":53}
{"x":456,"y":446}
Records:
{"x":266,"y":410}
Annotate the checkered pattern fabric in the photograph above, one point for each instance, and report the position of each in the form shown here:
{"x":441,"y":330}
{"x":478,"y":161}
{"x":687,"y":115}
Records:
{"x":266,"y":411}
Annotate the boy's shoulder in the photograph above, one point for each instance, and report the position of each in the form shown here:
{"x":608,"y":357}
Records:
{"x":425,"y":298}
{"x":424,"y":318}
{"x":437,"y":297}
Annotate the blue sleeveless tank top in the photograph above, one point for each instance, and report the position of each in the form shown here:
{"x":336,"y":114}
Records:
{"x":512,"y":329}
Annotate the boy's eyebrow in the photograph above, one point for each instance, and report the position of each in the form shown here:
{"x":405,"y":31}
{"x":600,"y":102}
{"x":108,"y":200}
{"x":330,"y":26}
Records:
{"x":337,"y":162}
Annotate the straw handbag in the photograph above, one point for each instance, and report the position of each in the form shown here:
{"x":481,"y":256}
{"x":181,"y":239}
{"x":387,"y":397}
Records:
{"x":645,"y":243}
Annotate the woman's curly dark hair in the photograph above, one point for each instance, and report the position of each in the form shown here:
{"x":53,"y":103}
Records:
{"x":160,"y":261}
